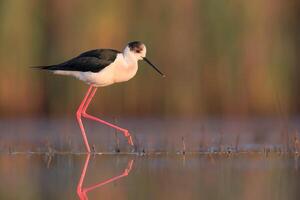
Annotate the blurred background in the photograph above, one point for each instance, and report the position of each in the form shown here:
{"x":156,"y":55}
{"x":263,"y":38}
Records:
{"x":222,"y":58}
{"x":233,"y":62}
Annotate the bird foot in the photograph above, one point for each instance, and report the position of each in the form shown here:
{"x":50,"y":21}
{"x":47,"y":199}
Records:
{"x":129,"y":138}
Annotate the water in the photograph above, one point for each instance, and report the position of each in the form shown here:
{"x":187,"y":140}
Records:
{"x":150,"y":134}
{"x":224,"y":159}
{"x":251,"y":176}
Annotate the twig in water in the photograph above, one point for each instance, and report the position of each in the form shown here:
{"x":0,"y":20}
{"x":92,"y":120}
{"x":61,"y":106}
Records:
{"x":221,"y":141}
{"x":183,"y":145}
{"x":137,"y":144}
{"x":142,"y":153}
{"x":266,"y":151}
{"x":237,"y":142}
{"x":49,"y":159}
{"x":296,"y":143}
{"x":94,"y":148}
{"x":117,"y":141}
{"x":229,"y":152}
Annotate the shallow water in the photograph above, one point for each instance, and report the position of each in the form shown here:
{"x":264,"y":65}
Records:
{"x":224,"y":159}
{"x":150,"y":134}
{"x":251,"y":176}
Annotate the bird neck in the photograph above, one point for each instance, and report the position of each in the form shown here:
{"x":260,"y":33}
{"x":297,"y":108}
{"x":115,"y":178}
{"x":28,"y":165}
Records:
{"x":126,"y":68}
{"x":129,"y":58}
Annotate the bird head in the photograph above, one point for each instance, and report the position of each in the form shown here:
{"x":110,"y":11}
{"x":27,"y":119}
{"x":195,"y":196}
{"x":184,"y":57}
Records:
{"x":137,"y":50}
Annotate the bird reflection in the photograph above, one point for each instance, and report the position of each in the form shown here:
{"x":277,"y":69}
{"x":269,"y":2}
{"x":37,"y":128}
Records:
{"x":82,"y":191}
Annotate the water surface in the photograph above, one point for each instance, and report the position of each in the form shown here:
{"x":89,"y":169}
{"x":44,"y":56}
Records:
{"x":251,"y":176}
{"x":224,"y":159}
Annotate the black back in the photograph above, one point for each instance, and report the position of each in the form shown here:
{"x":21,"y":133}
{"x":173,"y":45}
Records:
{"x":90,"y":61}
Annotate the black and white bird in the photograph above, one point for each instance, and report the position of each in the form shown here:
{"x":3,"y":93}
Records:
{"x":99,"y":68}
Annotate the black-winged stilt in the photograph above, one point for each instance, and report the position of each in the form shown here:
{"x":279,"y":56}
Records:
{"x":99,"y":68}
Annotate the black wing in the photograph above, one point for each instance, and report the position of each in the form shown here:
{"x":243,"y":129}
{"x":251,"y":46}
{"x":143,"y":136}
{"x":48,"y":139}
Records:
{"x":90,"y":61}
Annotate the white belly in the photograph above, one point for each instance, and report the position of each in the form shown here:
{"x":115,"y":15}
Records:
{"x":118,"y":71}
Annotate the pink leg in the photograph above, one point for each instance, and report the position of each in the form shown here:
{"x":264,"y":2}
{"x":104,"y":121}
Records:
{"x":78,"y":116}
{"x":125,"y":173}
{"x":82,"y":192}
{"x":84,"y":114}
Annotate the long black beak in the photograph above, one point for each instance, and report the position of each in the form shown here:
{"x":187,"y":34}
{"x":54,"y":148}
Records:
{"x":156,"y":69}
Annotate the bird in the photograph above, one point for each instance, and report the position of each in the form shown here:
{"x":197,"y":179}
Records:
{"x":100,"y":68}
